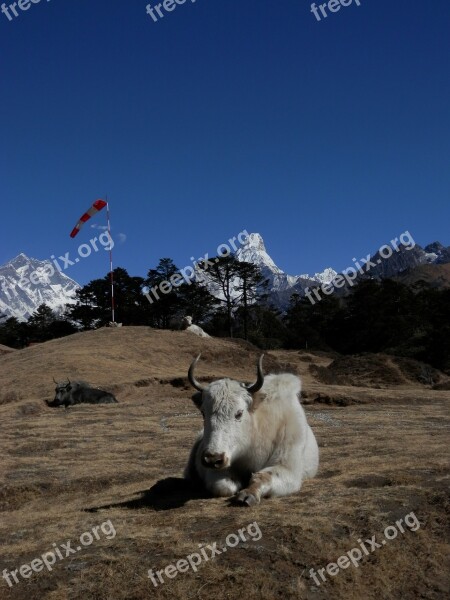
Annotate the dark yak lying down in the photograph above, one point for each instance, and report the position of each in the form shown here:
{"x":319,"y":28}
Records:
{"x":79,"y":392}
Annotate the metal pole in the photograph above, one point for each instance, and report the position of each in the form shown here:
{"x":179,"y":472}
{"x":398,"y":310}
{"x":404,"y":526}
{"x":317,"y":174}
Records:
{"x":110,"y":262}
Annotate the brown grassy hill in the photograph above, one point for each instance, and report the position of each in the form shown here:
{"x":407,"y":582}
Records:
{"x":377,"y":370}
{"x":116,"y":357}
{"x":5,"y":349}
{"x":64,"y":473}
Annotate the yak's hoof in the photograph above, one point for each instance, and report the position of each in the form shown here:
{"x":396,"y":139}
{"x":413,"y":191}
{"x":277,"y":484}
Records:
{"x":247,"y":498}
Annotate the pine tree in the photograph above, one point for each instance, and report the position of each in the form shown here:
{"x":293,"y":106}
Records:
{"x":163,"y":299}
{"x":93,"y":306}
{"x":196,"y":301}
{"x":39,"y":323}
{"x":223,"y":272}
{"x":13,"y":333}
{"x":252,"y":288}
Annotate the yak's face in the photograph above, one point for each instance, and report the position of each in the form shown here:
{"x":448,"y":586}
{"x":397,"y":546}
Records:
{"x":225,"y":406}
{"x":62,"y":393}
{"x":228,"y":422}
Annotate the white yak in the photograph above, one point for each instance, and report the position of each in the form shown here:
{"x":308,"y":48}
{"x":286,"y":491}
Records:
{"x":256,"y":441}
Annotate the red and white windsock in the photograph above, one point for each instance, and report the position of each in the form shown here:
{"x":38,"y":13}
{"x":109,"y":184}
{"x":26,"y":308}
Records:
{"x":95,"y":208}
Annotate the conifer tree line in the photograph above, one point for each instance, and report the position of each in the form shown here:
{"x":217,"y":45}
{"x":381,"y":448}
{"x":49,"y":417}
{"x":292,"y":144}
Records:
{"x":375,"y":316}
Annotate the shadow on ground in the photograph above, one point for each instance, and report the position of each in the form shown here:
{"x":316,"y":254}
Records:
{"x":166,"y":494}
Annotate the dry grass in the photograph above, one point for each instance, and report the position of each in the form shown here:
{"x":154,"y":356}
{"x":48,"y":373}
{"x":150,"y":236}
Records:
{"x":5,"y":349}
{"x":65,"y":471}
{"x":377,"y":371}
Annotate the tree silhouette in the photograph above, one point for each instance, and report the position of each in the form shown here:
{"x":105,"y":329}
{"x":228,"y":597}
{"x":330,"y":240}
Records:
{"x":252,"y":288}
{"x":223,"y":273}
{"x":163,"y":298}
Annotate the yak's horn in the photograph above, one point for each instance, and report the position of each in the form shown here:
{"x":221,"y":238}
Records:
{"x":255,"y":387}
{"x":191,"y":376}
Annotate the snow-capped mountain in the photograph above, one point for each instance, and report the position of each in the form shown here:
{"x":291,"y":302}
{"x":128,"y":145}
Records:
{"x":254,"y":251}
{"x":26,"y":283}
{"x":407,"y":259}
{"x":437,"y":253}
{"x":281,"y":285}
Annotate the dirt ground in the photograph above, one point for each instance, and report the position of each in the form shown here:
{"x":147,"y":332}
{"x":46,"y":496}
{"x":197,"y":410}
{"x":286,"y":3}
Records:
{"x":384,"y":455}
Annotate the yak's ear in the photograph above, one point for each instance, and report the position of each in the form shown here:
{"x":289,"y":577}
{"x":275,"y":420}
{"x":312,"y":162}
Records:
{"x":256,"y":401}
{"x":197,"y":399}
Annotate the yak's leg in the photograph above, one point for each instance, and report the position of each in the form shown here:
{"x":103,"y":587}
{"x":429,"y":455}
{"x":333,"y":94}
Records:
{"x":272,"y":481}
{"x":220,"y":484}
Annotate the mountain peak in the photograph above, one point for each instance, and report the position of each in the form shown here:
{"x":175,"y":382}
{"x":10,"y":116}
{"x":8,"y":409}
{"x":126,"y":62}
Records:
{"x":437,"y":253}
{"x":434,"y":246}
{"x":255,"y":241}
{"x":254,"y":251}
{"x":20,"y":258}
{"x":26,"y":283}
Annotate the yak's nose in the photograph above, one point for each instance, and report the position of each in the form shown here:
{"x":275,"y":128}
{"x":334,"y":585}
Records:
{"x":214,"y":460}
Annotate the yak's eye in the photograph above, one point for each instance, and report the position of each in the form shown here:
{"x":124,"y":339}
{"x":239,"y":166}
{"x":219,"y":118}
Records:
{"x":238,"y":415}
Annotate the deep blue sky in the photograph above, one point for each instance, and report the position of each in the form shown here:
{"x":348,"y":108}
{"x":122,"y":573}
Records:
{"x":328,"y":138}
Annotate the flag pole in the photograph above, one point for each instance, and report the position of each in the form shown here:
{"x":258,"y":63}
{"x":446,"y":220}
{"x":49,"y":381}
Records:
{"x":111,"y":274}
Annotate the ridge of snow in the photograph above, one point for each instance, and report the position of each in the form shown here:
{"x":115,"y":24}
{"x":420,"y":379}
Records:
{"x":19,"y":297}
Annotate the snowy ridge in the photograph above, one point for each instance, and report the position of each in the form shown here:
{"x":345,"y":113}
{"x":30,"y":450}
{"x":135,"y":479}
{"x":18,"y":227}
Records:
{"x":254,"y":251}
{"x":282,"y":286}
{"x":20,"y":296}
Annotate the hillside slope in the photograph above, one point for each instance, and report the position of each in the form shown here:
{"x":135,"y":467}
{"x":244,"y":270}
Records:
{"x":63,"y":472}
{"x":117,"y":356}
